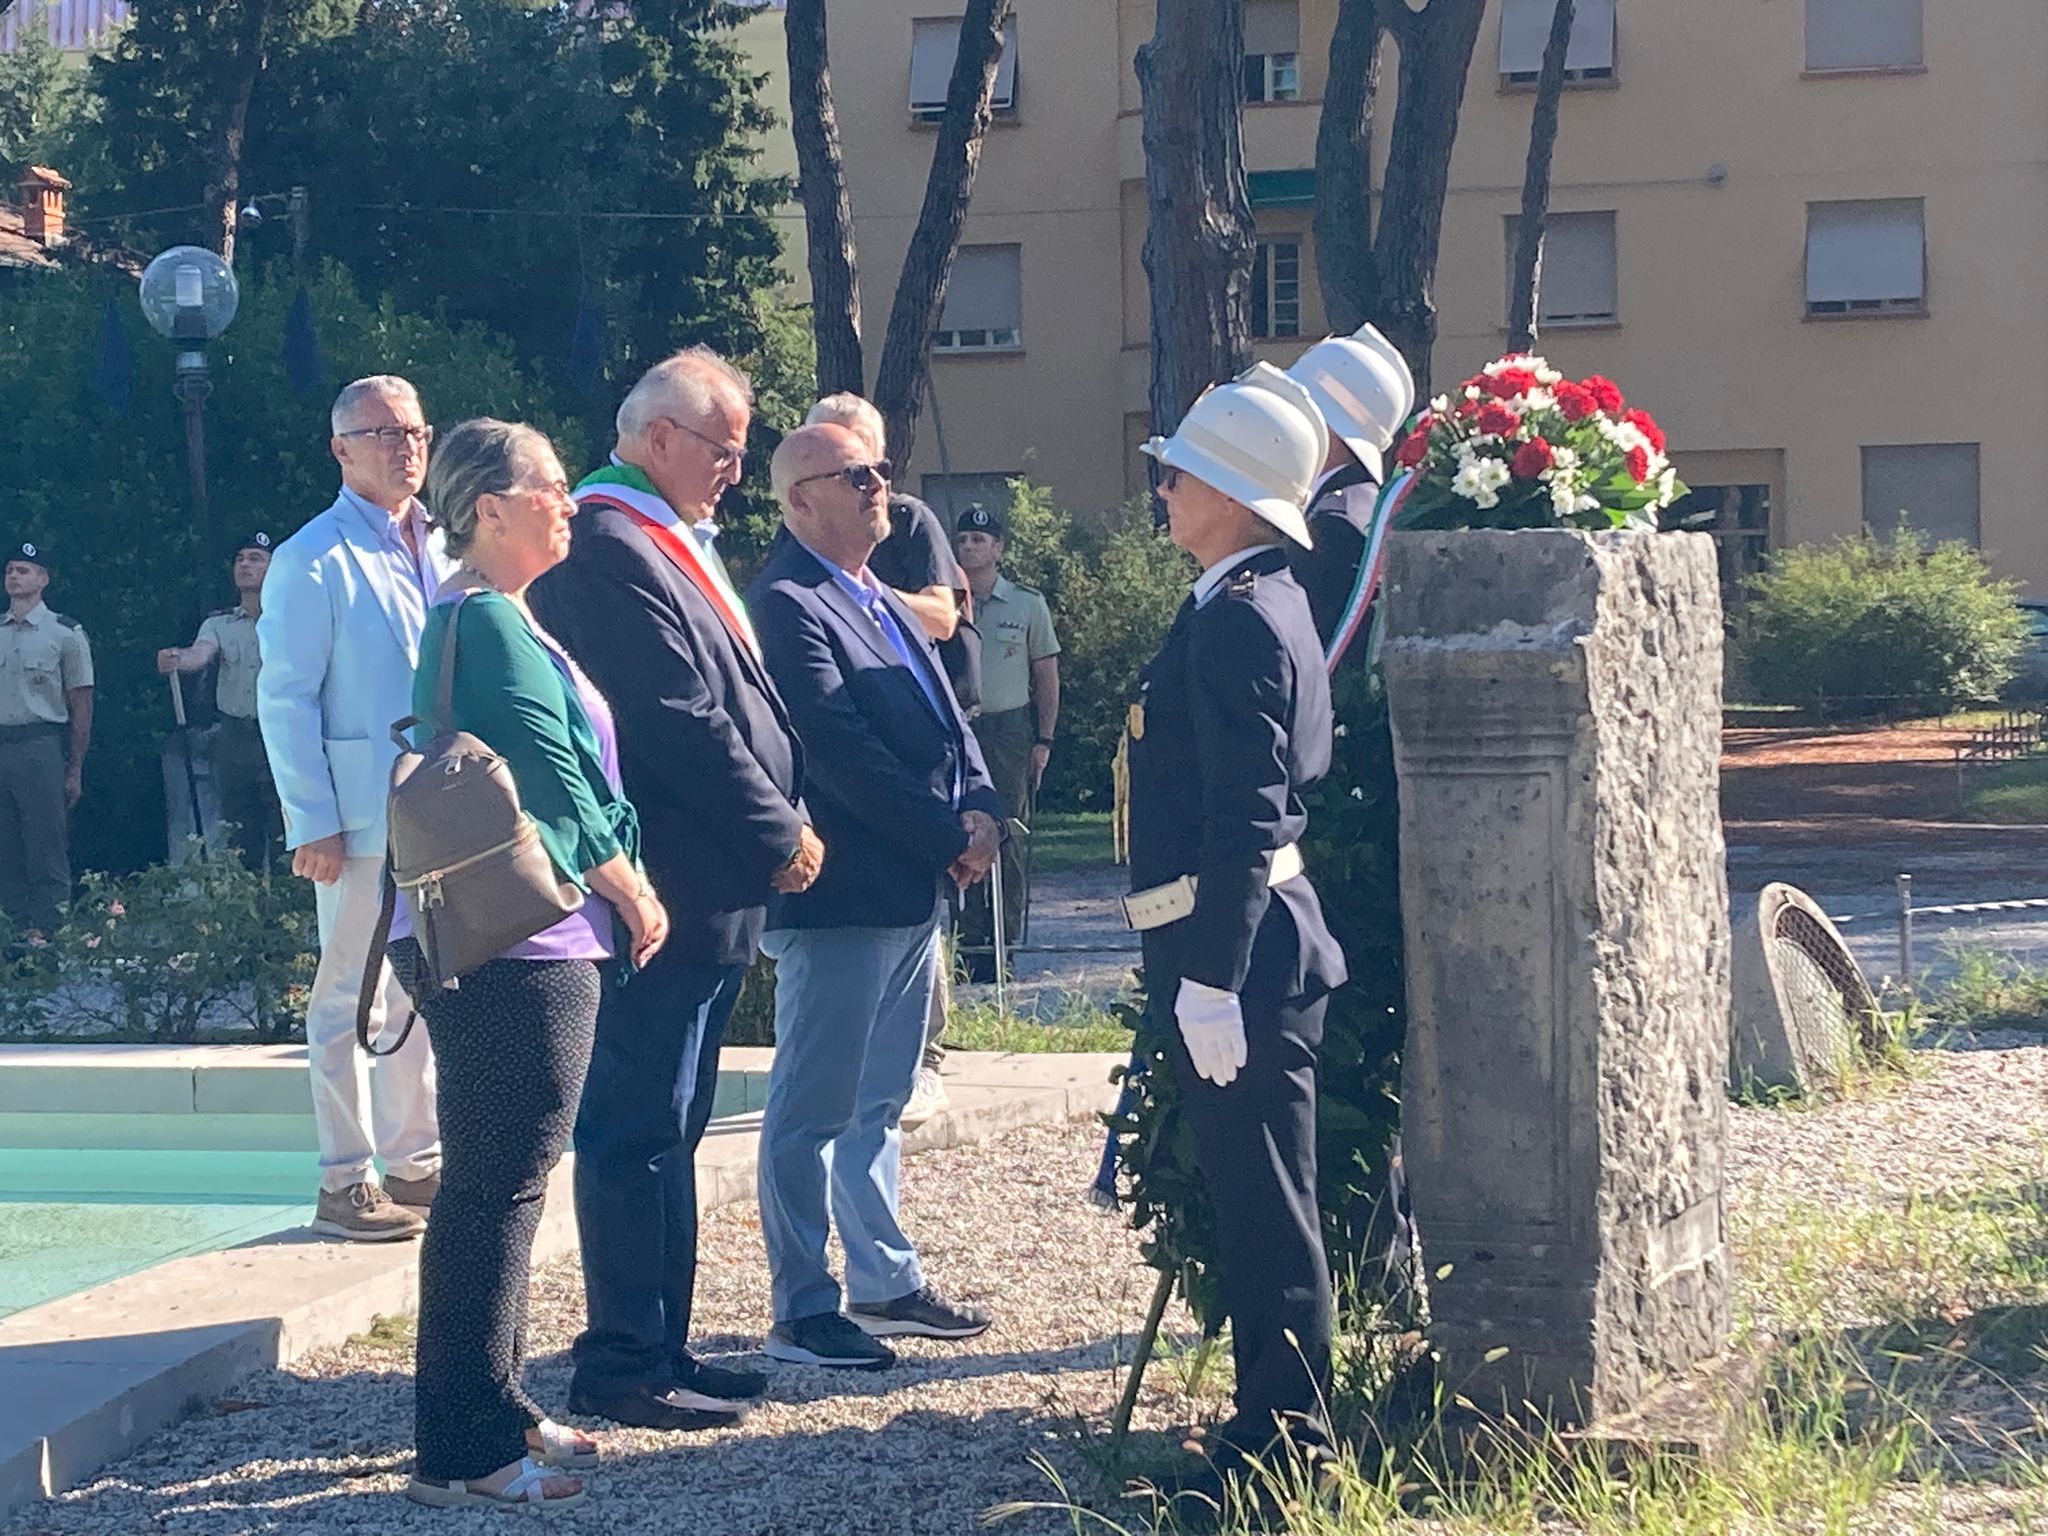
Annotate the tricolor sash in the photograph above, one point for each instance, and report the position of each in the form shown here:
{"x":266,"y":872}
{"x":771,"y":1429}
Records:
{"x":706,"y":575}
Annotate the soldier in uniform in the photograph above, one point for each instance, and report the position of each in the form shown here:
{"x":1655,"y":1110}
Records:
{"x":1020,"y":704}
{"x":241,"y":770}
{"x":1231,"y":723}
{"x":1365,"y":391}
{"x":45,"y":727}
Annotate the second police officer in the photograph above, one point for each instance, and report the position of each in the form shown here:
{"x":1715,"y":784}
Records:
{"x":45,"y":727}
{"x":1230,"y":724}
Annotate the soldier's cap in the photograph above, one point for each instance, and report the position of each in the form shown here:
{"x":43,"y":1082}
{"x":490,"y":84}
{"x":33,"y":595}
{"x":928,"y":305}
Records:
{"x":978,"y":519}
{"x":258,"y":540}
{"x":35,"y":554}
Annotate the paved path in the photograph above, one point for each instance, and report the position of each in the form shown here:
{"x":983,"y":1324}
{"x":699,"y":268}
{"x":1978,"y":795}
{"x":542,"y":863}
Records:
{"x":1078,"y":945}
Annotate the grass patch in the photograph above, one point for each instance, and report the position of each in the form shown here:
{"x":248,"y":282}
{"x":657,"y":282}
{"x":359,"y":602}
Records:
{"x":1992,"y":990}
{"x":1077,"y":1025}
{"x":1067,"y":840}
{"x":391,"y":1335}
{"x":2010,"y":795}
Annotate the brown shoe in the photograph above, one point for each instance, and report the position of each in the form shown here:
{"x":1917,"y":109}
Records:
{"x":363,"y":1213}
{"x":417,"y":1193}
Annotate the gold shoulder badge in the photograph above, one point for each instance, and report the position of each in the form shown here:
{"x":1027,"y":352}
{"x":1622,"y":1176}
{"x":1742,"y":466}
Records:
{"x":1243,"y":583}
{"x":1135,"y":723}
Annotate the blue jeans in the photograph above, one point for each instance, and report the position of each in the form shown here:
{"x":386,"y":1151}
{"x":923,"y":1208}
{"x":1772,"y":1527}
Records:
{"x":645,"y":1105}
{"x":850,"y":1012}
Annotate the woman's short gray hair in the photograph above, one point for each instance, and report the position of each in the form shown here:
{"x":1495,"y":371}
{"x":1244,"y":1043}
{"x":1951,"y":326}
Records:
{"x":473,"y":459}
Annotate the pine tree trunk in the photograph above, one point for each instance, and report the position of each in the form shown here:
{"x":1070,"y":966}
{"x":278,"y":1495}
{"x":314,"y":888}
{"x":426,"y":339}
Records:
{"x":1198,"y":241}
{"x":1343,"y":216}
{"x":224,"y":180}
{"x":921,"y":288}
{"x":1526,"y":277}
{"x":821,"y":188}
{"x":1436,"y":55}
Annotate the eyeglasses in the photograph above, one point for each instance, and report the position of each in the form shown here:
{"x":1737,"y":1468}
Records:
{"x":1169,"y":477}
{"x":729,"y":456}
{"x":559,"y":489}
{"x":862,"y":477}
{"x":394,"y":437}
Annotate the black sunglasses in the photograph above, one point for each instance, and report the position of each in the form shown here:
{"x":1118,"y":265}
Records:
{"x":862,"y":477}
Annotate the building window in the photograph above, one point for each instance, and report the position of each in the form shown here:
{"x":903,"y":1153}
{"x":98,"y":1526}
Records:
{"x":1272,"y":50}
{"x":1863,"y":35}
{"x":1525,"y":29}
{"x":984,"y":309}
{"x":934,"y":45}
{"x":1276,"y":289}
{"x":1866,"y":258}
{"x":1579,"y":272}
{"x":1738,"y":519}
{"x":1932,"y":486}
{"x":950,"y":495}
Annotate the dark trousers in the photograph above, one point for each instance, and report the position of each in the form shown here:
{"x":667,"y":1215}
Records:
{"x":248,"y":797}
{"x":1256,"y":1143}
{"x":512,"y":1044}
{"x":1006,"y":740}
{"x":653,"y":1075}
{"x":35,"y":860}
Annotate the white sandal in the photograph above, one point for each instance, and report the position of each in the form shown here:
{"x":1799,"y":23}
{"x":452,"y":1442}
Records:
{"x":527,"y":1490}
{"x":558,"y":1447}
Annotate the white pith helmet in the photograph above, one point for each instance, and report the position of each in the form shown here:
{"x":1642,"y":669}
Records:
{"x":1363,"y":389}
{"x":1258,"y":439}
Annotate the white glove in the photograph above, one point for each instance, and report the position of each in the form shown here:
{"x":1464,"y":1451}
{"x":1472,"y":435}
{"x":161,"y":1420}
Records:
{"x":1212,"y":1027}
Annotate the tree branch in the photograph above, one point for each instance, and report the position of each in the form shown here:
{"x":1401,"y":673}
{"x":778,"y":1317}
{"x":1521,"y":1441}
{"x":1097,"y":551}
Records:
{"x":1343,"y":215}
{"x":1526,"y":282}
{"x":828,"y":214}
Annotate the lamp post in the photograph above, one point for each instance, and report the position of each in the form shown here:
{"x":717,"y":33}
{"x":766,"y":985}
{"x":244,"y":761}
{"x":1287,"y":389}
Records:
{"x":189,"y":296}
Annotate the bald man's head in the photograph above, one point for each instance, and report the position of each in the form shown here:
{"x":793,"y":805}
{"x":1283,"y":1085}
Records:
{"x":834,"y":496}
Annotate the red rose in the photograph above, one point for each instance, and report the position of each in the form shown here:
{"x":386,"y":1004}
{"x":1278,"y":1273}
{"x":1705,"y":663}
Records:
{"x":1576,"y":401}
{"x":1606,"y":394}
{"x":1638,"y":465}
{"x":1467,"y":409}
{"x":1513,"y":381}
{"x":1646,"y":424}
{"x":1499,"y":420}
{"x":1414,"y":450}
{"x":1531,"y":459}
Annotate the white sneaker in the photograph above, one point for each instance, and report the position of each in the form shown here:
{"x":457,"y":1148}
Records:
{"x":927,"y":1098}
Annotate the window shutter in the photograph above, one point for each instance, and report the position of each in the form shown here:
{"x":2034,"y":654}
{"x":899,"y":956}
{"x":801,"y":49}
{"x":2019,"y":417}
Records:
{"x":1863,"y":34}
{"x":985,"y":291}
{"x":1525,"y":28}
{"x":1272,"y":26}
{"x":1865,"y":251}
{"x":1580,"y":275}
{"x":933,"y":47}
{"x":1005,"y":96}
{"x":1934,"y":484}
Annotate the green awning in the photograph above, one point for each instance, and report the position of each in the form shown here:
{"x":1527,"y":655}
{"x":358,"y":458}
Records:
{"x":1281,"y":189}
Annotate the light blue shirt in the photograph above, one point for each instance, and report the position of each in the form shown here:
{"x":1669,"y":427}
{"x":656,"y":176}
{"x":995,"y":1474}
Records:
{"x":415,"y":575}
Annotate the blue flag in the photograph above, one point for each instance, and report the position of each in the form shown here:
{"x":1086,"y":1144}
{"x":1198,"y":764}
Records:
{"x":304,"y":368}
{"x":113,"y":374}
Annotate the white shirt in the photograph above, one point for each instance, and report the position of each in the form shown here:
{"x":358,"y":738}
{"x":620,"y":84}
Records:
{"x":1207,"y":583}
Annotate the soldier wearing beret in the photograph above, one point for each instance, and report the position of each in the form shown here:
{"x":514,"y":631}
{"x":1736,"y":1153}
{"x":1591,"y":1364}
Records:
{"x":241,"y":770}
{"x":45,"y":727}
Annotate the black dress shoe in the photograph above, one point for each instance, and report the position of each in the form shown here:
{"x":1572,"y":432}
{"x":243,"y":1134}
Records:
{"x":721,"y":1382}
{"x":654,"y":1407}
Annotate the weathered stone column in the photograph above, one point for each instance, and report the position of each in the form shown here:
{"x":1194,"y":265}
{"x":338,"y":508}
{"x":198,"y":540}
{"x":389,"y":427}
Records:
{"x":1556,"y":702}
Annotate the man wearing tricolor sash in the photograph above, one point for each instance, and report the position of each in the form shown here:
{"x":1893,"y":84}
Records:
{"x":708,"y":756}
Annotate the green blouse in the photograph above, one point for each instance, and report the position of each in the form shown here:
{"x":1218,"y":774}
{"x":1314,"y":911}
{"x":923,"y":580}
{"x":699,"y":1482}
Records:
{"x":513,"y":695}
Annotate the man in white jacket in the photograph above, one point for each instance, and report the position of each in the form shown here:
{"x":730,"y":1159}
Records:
{"x":343,"y":608}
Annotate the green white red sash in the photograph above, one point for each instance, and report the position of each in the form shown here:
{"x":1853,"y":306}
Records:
{"x":615,"y":488}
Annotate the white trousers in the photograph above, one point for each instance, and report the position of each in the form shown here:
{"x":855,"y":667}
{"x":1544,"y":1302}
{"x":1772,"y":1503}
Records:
{"x":364,"y":1109}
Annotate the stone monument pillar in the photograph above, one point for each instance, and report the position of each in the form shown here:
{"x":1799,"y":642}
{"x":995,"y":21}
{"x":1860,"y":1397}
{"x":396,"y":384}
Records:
{"x":1556,"y":703}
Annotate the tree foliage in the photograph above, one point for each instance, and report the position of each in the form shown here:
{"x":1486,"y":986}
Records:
{"x":1875,"y":623}
{"x":41,"y":101}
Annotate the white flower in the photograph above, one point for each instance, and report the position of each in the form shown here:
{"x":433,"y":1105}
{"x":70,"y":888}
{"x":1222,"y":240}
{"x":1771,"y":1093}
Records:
{"x":1667,"y":487}
{"x":1339,"y":729}
{"x":1545,"y":374}
{"x":1564,"y":459}
{"x":1474,"y":392}
{"x":1479,"y":482}
{"x":1625,"y":435}
{"x":1587,"y":504}
{"x":1357,"y":793}
{"x":1564,"y":499}
{"x":1441,"y":405}
{"x":1534,"y":400}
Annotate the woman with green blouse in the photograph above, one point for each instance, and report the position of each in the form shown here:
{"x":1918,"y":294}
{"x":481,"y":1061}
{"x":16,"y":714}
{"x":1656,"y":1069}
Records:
{"x":513,"y":1039}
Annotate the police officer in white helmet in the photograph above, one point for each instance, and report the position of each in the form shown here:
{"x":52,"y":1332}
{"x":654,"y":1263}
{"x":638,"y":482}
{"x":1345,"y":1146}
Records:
{"x":1230,"y":725}
{"x":1365,"y":390}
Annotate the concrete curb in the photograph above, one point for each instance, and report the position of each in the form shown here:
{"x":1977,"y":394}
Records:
{"x":86,"y":1379}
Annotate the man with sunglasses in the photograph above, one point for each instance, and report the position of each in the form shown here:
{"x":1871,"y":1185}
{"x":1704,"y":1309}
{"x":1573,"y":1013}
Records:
{"x":343,"y":606}
{"x":714,"y":769}
{"x":900,"y":793}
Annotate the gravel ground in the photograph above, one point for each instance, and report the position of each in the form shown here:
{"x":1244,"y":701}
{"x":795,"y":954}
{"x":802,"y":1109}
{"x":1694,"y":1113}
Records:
{"x":324,"y":1448}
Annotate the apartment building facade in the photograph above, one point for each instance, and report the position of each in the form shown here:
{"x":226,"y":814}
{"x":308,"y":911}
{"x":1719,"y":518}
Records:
{"x":1811,"y":235}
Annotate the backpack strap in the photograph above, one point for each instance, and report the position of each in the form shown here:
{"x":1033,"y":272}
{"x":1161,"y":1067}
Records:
{"x":373,"y":972}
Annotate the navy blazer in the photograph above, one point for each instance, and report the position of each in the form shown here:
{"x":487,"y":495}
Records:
{"x":706,"y":749}
{"x":880,"y":763}
{"x":1232,"y":723}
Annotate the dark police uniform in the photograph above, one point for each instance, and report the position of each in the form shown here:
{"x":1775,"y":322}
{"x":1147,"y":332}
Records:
{"x":1340,"y":521}
{"x":1231,"y":724}
{"x":44,"y":657}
